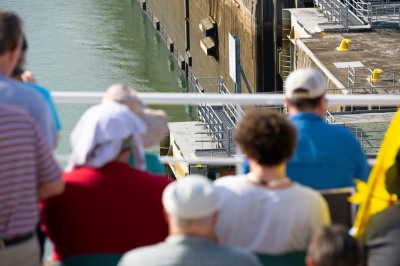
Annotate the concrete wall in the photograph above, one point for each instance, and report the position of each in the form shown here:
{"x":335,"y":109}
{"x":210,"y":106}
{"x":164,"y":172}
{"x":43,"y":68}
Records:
{"x":237,"y":18}
{"x":171,"y":14}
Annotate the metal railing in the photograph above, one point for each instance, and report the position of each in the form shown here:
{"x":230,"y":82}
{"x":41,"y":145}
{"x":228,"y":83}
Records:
{"x":221,"y":132}
{"x":234,"y":112}
{"x":373,"y":12}
{"x":384,"y":11}
{"x":361,"y":80}
{"x":195,"y":99}
{"x":336,"y":12}
{"x":329,"y":118}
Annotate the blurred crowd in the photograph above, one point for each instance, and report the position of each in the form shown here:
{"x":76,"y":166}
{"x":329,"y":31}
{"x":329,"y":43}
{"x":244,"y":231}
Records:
{"x":114,"y":205}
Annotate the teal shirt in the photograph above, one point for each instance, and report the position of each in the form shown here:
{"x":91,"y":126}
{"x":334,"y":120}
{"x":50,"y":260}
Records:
{"x":153,"y":164}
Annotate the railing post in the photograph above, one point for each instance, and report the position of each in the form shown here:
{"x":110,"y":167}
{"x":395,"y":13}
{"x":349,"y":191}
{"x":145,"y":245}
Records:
{"x":221,"y":84}
{"x":196,"y":82}
{"x":369,"y":14}
{"x":347,"y":17}
{"x":229,"y":131}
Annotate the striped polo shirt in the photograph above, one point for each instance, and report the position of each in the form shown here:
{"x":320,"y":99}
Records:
{"x":26,"y":161}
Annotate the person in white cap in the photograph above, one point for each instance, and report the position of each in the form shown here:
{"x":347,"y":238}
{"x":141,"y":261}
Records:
{"x":155,"y":120}
{"x":327,"y":156}
{"x":191,"y":208}
{"x":264,"y":211}
{"x":108,"y":207}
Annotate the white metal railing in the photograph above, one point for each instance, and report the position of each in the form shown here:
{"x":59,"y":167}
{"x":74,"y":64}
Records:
{"x":195,"y":98}
{"x":234,"y":113}
{"x":200,"y":160}
{"x":219,"y":126}
{"x":335,"y":11}
{"x":329,"y":117}
{"x":360,"y":79}
{"x":364,"y":12}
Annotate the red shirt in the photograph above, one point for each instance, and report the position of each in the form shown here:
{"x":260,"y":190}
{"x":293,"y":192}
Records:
{"x":108,"y":210}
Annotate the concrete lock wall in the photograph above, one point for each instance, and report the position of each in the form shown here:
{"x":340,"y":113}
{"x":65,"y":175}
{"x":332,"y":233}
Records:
{"x":234,"y":17}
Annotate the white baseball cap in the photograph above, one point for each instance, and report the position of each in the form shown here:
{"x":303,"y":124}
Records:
{"x":193,"y":197}
{"x":305,"y":83}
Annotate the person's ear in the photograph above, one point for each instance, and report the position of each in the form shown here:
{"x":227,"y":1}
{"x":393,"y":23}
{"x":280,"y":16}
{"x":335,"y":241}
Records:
{"x":287,"y":103}
{"x":214,"y":218}
{"x":14,"y":55}
{"x":322,"y":102}
{"x":309,"y":261}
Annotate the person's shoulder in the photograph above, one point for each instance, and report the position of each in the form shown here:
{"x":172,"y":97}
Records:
{"x":153,"y":178}
{"x":42,"y":90}
{"x":20,"y":90}
{"x":231,"y":180}
{"x":391,"y":213}
{"x":16,"y":114}
{"x":238,"y":256}
{"x":341,"y":131}
{"x":140,"y":255}
{"x":307,"y":193}
{"x":13,"y":110}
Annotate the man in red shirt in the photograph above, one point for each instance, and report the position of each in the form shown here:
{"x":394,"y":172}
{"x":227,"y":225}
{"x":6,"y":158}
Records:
{"x":108,"y":207}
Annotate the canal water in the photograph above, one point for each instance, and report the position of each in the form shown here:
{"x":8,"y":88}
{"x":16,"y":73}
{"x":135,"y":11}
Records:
{"x":88,"y":45}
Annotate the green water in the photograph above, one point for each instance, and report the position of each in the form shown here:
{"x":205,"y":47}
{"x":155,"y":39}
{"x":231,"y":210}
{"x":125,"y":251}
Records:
{"x":86,"y":45}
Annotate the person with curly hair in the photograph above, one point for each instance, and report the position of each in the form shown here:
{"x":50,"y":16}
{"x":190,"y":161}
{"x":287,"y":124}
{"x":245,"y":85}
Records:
{"x":264,"y":211}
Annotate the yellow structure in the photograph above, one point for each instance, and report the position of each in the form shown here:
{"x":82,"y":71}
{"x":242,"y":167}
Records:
{"x":373,"y":196}
{"x":375,"y":75}
{"x":344,"y":45}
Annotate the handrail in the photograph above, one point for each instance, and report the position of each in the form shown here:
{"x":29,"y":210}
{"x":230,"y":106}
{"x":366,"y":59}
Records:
{"x":221,"y":133}
{"x":194,"y":98}
{"x":329,"y":117}
{"x":229,"y":108}
{"x":365,"y":12}
{"x":199,"y":160}
{"x":211,"y":119}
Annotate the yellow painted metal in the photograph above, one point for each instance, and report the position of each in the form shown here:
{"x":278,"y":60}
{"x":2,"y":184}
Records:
{"x":344,"y":45}
{"x":372,"y":196}
{"x":375,"y":76}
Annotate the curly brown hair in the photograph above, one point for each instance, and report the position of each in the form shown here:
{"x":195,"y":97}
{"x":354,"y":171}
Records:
{"x":266,"y":136}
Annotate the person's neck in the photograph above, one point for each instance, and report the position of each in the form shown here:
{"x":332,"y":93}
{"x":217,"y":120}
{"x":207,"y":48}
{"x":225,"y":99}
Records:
{"x":273,"y":177}
{"x":5,"y":67}
{"x":123,"y":157}
{"x":311,"y":111}
{"x":175,"y":231}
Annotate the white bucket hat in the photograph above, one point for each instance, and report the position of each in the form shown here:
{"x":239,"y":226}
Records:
{"x":193,"y":197}
{"x":98,"y":136}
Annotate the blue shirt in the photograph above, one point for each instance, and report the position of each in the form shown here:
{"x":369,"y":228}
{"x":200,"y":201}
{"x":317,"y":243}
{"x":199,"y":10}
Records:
{"x":326,"y":156}
{"x":17,"y":93}
{"x":47,"y":97}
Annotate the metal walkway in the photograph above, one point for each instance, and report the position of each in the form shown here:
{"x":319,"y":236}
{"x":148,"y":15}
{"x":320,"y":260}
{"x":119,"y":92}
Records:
{"x":219,"y":119}
{"x":345,"y":15}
